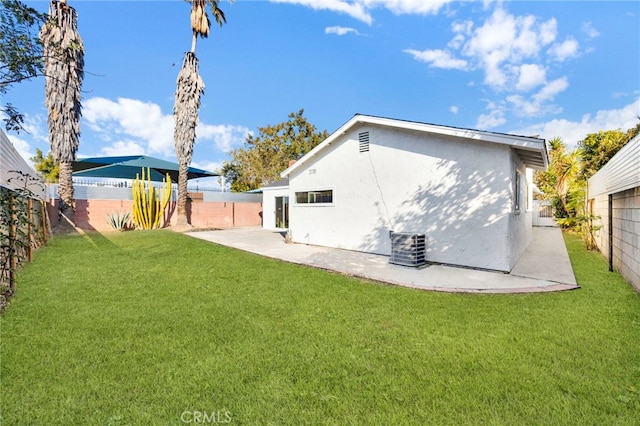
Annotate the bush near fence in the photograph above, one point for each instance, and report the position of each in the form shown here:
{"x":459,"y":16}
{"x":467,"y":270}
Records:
{"x":23,"y":224}
{"x":23,"y":228}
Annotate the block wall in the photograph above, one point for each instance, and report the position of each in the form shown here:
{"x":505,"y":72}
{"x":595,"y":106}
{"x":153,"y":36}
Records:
{"x":626,"y":232}
{"x":91,"y":214}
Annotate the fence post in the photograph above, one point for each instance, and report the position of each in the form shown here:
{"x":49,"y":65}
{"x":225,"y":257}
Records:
{"x":30,"y":229}
{"x":12,"y":241}
{"x":45,"y":221}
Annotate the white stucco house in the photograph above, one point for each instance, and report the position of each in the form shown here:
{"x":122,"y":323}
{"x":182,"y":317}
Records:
{"x":468,"y":191}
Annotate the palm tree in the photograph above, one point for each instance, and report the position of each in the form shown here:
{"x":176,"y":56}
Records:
{"x":64,"y":65}
{"x":565,"y":166}
{"x":189,"y":88}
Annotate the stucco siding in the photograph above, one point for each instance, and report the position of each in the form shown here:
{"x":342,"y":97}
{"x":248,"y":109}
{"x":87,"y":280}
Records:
{"x":520,"y":222}
{"x":269,"y":205}
{"x":458,"y":192}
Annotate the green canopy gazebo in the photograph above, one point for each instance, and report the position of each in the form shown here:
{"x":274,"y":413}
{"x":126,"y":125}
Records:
{"x":128,"y":166}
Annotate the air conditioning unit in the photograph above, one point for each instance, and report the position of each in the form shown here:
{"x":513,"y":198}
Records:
{"x":408,"y":249}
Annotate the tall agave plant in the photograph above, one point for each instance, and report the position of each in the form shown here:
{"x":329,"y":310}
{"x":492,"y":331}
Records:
{"x":189,"y":88}
{"x":64,"y":71}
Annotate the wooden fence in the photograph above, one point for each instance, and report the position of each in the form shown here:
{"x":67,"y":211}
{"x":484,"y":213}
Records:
{"x":23,"y":228}
{"x":23,"y":215}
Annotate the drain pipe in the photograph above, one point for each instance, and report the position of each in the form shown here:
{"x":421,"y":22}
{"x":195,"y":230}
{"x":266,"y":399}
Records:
{"x":610,"y":213}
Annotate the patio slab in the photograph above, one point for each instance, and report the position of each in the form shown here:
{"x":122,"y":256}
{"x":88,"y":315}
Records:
{"x":545,"y":265}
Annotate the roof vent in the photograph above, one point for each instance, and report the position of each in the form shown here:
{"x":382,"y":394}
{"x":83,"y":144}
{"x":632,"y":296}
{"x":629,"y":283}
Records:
{"x":363,"y":139}
{"x":408,"y":249}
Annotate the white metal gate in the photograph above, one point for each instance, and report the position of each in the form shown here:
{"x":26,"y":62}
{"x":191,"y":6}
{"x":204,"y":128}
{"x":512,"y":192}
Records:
{"x":543,"y":214}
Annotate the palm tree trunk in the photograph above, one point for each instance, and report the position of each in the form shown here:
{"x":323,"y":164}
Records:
{"x":64,"y":64}
{"x":64,"y":189}
{"x":183,"y":217}
{"x":189,"y":88}
{"x":194,"y":42}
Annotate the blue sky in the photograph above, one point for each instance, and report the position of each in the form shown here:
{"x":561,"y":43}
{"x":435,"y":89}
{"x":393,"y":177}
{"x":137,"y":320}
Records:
{"x":548,"y":68}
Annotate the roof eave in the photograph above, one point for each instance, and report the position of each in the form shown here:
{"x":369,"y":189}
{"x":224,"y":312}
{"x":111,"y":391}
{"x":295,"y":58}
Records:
{"x":525,"y":143}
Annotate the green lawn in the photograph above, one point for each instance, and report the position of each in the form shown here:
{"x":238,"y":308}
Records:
{"x":158,"y":328}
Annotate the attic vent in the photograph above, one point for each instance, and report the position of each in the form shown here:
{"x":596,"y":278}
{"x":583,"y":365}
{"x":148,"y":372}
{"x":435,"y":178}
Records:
{"x":408,"y":249}
{"x":363,"y":139}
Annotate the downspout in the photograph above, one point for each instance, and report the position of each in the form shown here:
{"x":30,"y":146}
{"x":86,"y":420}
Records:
{"x":610,"y":208}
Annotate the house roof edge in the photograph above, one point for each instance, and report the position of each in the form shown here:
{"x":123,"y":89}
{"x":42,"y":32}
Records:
{"x":523,"y":143}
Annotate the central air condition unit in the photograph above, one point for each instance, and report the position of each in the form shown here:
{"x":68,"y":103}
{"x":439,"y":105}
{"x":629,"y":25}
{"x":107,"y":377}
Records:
{"x":408,"y":249}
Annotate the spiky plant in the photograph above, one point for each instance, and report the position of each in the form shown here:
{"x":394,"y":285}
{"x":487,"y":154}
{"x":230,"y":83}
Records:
{"x":189,"y":88}
{"x":64,"y":71}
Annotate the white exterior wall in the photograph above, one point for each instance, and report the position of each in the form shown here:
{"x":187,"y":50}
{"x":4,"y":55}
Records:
{"x":458,"y":192}
{"x":269,"y":205}
{"x":520,"y":223}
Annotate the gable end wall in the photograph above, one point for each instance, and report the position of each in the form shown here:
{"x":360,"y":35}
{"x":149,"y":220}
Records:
{"x":457,"y":192}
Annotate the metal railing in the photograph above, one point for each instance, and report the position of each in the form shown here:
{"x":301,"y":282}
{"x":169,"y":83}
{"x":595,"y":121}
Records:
{"x":123,"y":183}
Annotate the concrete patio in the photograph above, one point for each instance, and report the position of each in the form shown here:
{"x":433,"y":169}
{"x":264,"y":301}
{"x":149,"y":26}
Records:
{"x":544,"y":267}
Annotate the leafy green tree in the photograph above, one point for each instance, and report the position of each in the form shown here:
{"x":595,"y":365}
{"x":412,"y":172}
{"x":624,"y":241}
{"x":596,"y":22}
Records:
{"x":564,"y":183}
{"x":20,"y":52}
{"x":46,"y":166}
{"x":634,"y":131}
{"x":265,"y":156}
{"x":598,"y":148}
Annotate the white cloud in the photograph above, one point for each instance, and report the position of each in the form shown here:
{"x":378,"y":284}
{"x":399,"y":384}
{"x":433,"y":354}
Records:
{"x":453,"y":109}
{"x":462,"y":28}
{"x":361,"y":9}
{"x":494,"y":118}
{"x":131,"y":126}
{"x":565,"y":50}
{"x":407,"y":7}
{"x":36,"y":127}
{"x":354,"y":9}
{"x":210,"y":166}
{"x":438,"y":59}
{"x":340,"y":30}
{"x":503,"y":42}
{"x":540,"y":102}
{"x":511,"y":51}
{"x":225,"y":137}
{"x":131,"y":117}
{"x":23,"y":148}
{"x":572,"y":132}
{"x":456,"y":42}
{"x":126,"y":147}
{"x":550,"y":91}
{"x":548,"y":31}
{"x":505,"y":47}
{"x":589,"y":30}
{"x":530,"y":76}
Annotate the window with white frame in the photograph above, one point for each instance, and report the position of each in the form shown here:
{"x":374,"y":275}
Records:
{"x":315,"y":197}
